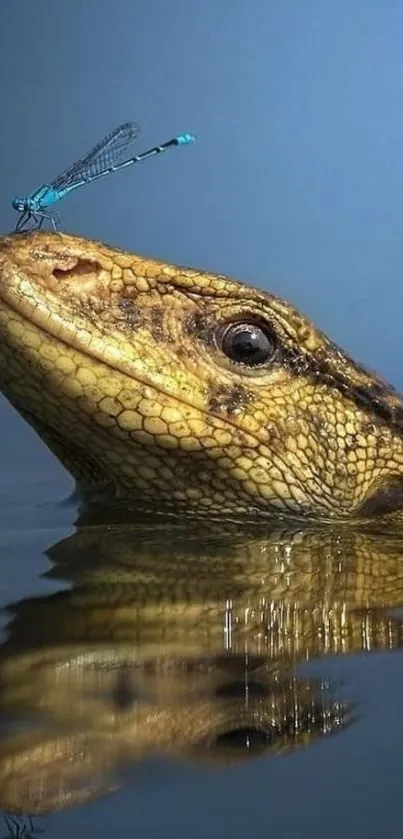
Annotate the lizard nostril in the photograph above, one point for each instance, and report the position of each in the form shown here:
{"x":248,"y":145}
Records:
{"x":82,"y":267}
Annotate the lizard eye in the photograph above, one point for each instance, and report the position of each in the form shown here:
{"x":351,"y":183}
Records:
{"x":247,"y":343}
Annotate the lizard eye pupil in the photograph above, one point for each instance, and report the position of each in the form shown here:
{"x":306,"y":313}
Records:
{"x":247,"y":343}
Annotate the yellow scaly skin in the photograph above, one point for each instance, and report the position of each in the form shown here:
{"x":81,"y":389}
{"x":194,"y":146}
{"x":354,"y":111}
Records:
{"x":118,"y":362}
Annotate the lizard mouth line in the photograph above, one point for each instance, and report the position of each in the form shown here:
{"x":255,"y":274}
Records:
{"x":56,"y":326}
{"x":31,"y":307}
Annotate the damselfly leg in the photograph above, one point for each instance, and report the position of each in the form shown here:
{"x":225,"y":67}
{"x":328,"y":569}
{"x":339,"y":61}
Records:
{"x":23,"y":827}
{"x":30,"y":221}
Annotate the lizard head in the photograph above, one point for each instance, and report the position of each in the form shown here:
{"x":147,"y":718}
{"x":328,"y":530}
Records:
{"x":189,"y":392}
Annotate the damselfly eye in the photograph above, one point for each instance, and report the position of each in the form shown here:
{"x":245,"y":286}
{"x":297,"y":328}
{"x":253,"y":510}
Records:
{"x":247,"y":343}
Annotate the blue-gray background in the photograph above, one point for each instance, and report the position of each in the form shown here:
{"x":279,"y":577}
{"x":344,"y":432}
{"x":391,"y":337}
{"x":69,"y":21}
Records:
{"x":295,"y":184}
{"x":296,"y":180}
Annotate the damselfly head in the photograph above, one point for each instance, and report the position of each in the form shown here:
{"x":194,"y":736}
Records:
{"x":184,"y":139}
{"x":19,"y":204}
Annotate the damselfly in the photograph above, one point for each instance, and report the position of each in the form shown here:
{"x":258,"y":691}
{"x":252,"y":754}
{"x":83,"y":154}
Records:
{"x":109,"y":155}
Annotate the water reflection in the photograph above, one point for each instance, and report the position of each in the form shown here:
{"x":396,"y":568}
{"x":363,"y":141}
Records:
{"x":185,"y":642}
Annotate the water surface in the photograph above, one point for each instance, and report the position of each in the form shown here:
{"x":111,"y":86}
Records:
{"x":178,"y":682}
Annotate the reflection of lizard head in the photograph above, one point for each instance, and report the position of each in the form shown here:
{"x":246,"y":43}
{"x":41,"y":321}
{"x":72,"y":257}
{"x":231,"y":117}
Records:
{"x":185,"y":644}
{"x":111,"y":709}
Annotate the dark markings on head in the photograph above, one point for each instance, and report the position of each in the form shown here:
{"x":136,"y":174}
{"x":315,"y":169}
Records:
{"x":155,"y":322}
{"x":386,"y":498}
{"x":328,"y":365}
{"x":129,"y":313}
{"x":156,"y":315}
{"x":314,"y":420}
{"x":376,"y":397}
{"x":198,"y":325}
{"x":228,"y":399}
